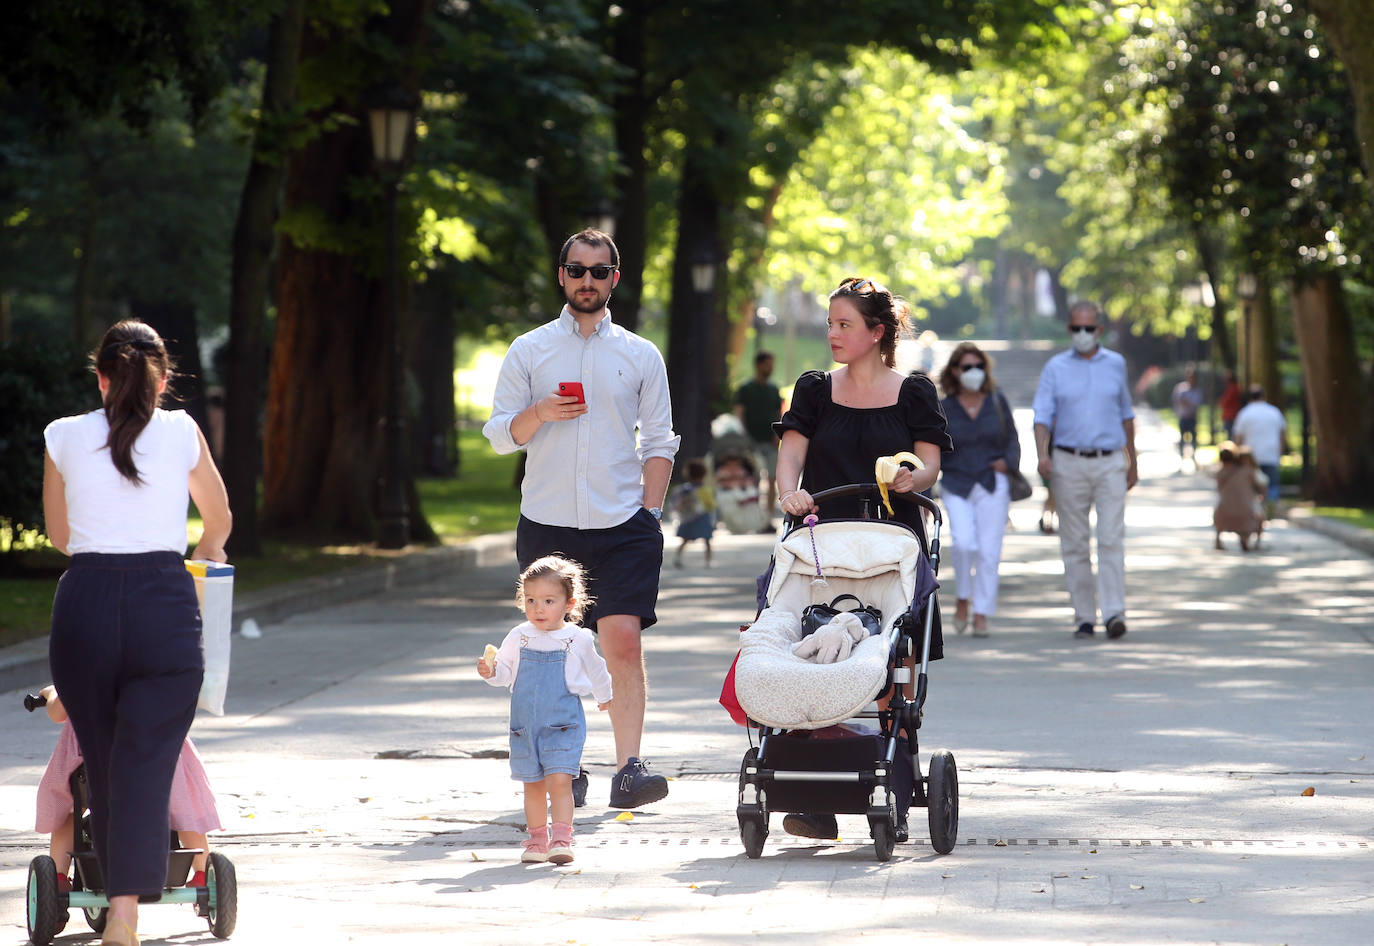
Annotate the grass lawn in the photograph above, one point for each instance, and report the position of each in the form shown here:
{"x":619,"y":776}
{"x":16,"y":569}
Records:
{"x":480,"y":500}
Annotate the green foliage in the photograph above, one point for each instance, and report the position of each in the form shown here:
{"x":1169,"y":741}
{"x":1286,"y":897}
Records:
{"x":39,"y":382}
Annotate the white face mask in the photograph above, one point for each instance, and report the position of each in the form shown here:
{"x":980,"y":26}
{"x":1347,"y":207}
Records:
{"x":972,"y":379}
{"x":1084,"y":342}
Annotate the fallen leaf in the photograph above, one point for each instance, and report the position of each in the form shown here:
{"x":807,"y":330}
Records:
{"x":365,"y":800}
{"x":1093,"y":851}
{"x":1308,"y":792}
{"x":1038,"y":890}
{"x":1137,"y":886}
{"x":1061,"y":875}
{"x":1000,"y":843}
{"x":1356,"y":758}
{"x":1088,"y":877}
{"x":1197,"y":899}
{"x":475,"y":857}
{"x":625,"y":816}
{"x":693,"y":887}
{"x":946,"y":876}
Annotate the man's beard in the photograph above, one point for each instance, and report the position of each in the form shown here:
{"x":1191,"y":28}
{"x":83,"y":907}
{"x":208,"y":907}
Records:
{"x":579,"y":304}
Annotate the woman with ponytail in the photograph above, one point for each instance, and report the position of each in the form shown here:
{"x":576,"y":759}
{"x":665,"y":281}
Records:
{"x":125,"y":646}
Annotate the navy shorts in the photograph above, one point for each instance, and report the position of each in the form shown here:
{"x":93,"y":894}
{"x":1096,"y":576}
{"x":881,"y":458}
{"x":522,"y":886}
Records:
{"x":622,"y":562}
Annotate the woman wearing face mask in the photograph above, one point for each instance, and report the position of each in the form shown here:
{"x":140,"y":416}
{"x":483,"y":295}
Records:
{"x":974,"y":486}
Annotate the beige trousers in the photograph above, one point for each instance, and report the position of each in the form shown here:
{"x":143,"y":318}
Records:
{"x":1098,"y":484}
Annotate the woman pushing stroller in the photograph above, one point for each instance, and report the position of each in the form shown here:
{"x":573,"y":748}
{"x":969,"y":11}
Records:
{"x":840,"y":422}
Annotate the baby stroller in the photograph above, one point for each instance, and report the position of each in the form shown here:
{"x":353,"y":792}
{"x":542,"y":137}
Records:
{"x":47,"y":906}
{"x":885,"y":564}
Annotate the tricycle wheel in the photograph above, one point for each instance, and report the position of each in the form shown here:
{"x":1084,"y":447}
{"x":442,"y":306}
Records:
{"x":943,"y":793}
{"x":95,"y":916}
{"x":224,"y":896}
{"x":44,"y":914}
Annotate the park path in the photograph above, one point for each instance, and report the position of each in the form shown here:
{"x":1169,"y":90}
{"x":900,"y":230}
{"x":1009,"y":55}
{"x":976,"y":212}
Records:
{"x":1149,"y":790}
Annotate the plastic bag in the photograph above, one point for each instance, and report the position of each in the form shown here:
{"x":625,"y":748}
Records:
{"x":215,"y":591}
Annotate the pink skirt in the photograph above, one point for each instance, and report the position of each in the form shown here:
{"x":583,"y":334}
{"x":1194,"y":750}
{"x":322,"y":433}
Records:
{"x":192,"y":802}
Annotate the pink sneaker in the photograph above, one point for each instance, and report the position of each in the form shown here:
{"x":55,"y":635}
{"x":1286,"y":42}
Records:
{"x":536,"y":849}
{"x":560,"y":848}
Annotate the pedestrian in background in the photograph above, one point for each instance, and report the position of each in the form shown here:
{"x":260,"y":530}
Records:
{"x":1084,"y":402}
{"x":125,"y":646}
{"x":1187,"y":398}
{"x":599,"y":461}
{"x":974,"y":482}
{"x":758,"y":405}
{"x":1229,"y":403}
{"x":1240,"y":489}
{"x":1262,"y":427}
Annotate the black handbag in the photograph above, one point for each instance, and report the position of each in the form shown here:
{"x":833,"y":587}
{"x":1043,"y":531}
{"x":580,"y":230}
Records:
{"x":1017,"y":483}
{"x":818,"y":615}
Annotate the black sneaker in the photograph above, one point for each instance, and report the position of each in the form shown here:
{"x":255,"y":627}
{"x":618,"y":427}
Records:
{"x":820,"y":827}
{"x":580,"y":789}
{"x":1116,"y":627}
{"x":635,"y":785}
{"x":1084,"y":630}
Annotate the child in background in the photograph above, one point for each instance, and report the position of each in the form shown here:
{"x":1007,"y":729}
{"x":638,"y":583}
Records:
{"x":695,"y":505}
{"x":549,"y":663}
{"x":193,"y":810}
{"x":1241,"y":488}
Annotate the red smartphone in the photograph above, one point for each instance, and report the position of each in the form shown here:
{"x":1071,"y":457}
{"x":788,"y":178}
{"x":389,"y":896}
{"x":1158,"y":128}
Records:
{"x":571,"y":389}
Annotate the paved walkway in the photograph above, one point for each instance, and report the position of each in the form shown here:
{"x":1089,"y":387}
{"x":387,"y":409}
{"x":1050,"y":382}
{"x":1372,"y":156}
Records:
{"x":1149,"y":790}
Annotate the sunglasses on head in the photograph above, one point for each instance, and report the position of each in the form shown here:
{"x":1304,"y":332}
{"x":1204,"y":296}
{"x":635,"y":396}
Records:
{"x":973,"y":364}
{"x":857,"y":284}
{"x":577,"y":270}
{"x":1082,"y":328}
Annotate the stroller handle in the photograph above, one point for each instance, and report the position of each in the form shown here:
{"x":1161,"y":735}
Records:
{"x":32,"y":702}
{"x":871,"y":490}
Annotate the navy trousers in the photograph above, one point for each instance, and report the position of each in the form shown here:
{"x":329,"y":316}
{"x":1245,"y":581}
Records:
{"x":127,"y":661}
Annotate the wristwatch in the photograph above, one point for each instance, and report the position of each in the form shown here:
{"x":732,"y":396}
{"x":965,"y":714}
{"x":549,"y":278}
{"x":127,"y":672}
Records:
{"x":656,"y":512}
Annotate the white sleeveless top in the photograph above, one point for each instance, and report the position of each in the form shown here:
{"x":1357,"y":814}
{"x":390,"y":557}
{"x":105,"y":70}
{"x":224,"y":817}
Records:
{"x":108,"y":513}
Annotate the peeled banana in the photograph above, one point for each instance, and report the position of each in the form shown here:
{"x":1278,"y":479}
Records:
{"x":885,"y":471}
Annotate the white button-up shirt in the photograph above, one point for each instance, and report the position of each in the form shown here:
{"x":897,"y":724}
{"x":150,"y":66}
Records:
{"x":585,"y":473}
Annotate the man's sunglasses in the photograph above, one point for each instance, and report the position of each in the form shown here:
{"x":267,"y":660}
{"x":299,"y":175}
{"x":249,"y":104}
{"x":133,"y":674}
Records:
{"x":1082,"y":328}
{"x":577,"y":270}
{"x":971,"y":365}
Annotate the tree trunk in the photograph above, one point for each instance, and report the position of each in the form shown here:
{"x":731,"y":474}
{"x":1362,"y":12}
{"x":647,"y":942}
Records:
{"x":1221,"y":338}
{"x":84,"y":332}
{"x":690,"y":320}
{"x":1339,"y":405}
{"x":250,"y":274}
{"x":631,"y":111}
{"x":433,"y":442}
{"x":322,"y":442}
{"x":176,"y":323}
{"x":1263,"y":358}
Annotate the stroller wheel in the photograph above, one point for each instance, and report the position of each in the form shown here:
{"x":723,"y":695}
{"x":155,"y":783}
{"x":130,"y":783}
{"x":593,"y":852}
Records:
{"x":884,"y":837}
{"x":752,"y":811}
{"x":95,"y":916}
{"x":943,"y":794}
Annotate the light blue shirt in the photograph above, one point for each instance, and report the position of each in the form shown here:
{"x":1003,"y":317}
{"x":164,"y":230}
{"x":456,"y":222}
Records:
{"x":1084,"y":401}
{"x":585,"y":473}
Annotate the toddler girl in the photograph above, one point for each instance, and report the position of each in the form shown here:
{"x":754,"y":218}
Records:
{"x":193,"y":810}
{"x":695,"y":505}
{"x":549,"y":663}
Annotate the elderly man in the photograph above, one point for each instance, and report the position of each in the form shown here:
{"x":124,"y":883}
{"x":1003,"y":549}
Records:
{"x":1085,"y":438}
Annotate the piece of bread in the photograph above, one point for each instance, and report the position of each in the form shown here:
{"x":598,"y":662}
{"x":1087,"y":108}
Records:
{"x":489,"y":655}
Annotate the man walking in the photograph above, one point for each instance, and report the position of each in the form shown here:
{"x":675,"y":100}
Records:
{"x":1085,"y":438}
{"x":1187,"y":398}
{"x":1262,"y":427}
{"x":758,"y":403}
{"x":588,"y":401}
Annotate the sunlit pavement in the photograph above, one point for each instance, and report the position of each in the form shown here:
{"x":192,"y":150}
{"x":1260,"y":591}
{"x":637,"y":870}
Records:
{"x":1147,"y":790}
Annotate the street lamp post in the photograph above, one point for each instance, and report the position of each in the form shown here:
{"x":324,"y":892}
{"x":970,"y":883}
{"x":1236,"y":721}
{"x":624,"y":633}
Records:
{"x":602,"y":216}
{"x":1247,"y":287}
{"x":703,"y":284}
{"x":391,"y":120}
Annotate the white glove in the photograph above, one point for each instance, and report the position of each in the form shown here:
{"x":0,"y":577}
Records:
{"x":832,"y":642}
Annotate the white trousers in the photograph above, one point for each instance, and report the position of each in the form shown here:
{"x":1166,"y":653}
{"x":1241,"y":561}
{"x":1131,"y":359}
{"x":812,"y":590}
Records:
{"x":1082,"y":484}
{"x":977,"y":523}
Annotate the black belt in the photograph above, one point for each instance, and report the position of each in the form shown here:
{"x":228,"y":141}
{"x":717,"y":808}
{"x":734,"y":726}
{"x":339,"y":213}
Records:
{"x":1084,"y":453}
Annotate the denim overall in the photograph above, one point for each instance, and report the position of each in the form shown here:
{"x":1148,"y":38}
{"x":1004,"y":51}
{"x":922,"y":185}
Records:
{"x":547,"y":726}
